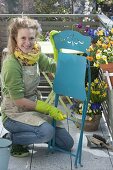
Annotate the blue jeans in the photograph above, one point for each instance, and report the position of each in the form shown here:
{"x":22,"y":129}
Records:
{"x":25,"y":134}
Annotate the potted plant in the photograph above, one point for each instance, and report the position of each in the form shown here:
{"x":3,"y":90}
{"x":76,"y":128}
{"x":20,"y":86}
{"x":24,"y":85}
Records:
{"x":101,"y":52}
{"x":98,"y":94}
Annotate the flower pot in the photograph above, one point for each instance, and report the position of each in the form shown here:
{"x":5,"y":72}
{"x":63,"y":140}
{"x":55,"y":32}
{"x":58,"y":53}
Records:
{"x":108,"y":67}
{"x":92,"y":125}
{"x":89,"y":126}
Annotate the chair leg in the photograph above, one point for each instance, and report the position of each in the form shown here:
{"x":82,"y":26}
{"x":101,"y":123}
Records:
{"x":80,"y":152}
{"x":76,"y":158}
{"x":79,"y":149}
{"x":53,"y":140}
{"x":51,"y":143}
{"x":81,"y":141}
{"x":31,"y":157}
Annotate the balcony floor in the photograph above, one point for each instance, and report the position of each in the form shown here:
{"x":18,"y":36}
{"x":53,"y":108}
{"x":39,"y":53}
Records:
{"x":92,"y":159}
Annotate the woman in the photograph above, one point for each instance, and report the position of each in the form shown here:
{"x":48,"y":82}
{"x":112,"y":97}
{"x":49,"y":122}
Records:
{"x":25,"y":116}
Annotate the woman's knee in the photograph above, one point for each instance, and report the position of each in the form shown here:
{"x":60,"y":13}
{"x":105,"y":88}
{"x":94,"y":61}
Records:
{"x":63,"y":139}
{"x":47,"y":131}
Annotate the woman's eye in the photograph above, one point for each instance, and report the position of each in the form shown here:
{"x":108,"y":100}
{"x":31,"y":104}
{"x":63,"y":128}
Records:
{"x":23,"y":38}
{"x":32,"y":38}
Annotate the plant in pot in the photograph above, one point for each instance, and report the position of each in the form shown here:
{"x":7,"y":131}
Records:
{"x":98,"y":95}
{"x":101,"y":52}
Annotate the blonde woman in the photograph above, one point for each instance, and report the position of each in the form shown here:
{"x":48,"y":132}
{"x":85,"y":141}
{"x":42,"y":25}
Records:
{"x":25,"y":116}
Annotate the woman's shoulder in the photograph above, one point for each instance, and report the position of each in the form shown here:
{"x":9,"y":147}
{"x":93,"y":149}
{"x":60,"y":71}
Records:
{"x":11,"y":63}
{"x":10,"y":60}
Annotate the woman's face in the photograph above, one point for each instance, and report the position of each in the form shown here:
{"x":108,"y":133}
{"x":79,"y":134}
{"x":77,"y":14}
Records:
{"x":25,"y":39}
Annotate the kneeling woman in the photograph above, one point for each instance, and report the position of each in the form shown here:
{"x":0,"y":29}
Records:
{"x":25,"y":116}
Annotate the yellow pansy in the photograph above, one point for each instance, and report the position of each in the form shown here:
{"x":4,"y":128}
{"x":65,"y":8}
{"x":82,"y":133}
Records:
{"x":104,"y":45}
{"x":104,"y":95}
{"x":98,"y":56}
{"x":99,"y":42}
{"x":100,"y":32}
{"x":111,"y":42}
{"x":90,"y":48}
{"x":112,"y":30}
{"x":98,"y":51}
{"x":92,"y":84}
{"x":104,"y":57}
{"x":96,"y":64}
{"x":96,"y":80}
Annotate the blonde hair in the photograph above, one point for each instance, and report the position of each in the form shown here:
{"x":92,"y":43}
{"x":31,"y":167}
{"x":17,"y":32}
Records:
{"x":15,"y":25}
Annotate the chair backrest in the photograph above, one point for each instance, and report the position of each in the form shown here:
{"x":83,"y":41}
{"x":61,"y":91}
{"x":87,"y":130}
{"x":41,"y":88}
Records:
{"x":69,"y":39}
{"x":71,"y":68}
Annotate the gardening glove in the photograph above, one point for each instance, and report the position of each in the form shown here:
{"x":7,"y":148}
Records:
{"x":48,"y":109}
{"x":52,"y":34}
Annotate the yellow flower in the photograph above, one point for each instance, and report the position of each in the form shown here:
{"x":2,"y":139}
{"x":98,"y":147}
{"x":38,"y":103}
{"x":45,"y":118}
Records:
{"x":112,"y":30}
{"x":104,"y":57}
{"x":90,"y":48}
{"x":90,"y":118}
{"x":100,"y":32}
{"x":102,"y":50}
{"x":104,"y":46}
{"x":96,"y":80}
{"x":105,"y":86}
{"x":92,"y":84}
{"x":104,"y":95}
{"x":86,"y":88}
{"x":96,"y":65}
{"x":80,"y":111}
{"x":111,"y":42}
{"x":98,"y":51}
{"x":99,"y":42}
{"x":109,"y":45}
{"x":98,"y":56}
{"x":90,"y":111}
{"x":97,"y":92}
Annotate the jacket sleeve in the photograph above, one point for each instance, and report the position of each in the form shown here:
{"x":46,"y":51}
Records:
{"x":46,"y":64}
{"x":12,"y":80}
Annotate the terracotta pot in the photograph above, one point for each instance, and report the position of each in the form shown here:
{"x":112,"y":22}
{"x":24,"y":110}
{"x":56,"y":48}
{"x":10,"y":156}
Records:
{"x":90,"y":126}
{"x":108,"y":67}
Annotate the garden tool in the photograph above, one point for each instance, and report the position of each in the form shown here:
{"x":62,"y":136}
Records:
{"x":48,"y":109}
{"x":97,"y":141}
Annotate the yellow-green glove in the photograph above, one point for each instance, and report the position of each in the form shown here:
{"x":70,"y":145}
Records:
{"x":52,"y":33}
{"x":48,"y":109}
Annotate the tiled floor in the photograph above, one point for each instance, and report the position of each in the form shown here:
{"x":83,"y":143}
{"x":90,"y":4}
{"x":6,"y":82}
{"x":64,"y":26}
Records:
{"x":93,"y":159}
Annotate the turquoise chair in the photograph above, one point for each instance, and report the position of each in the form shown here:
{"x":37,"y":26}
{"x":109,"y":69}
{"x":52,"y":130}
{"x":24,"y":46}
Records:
{"x":70,"y":77}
